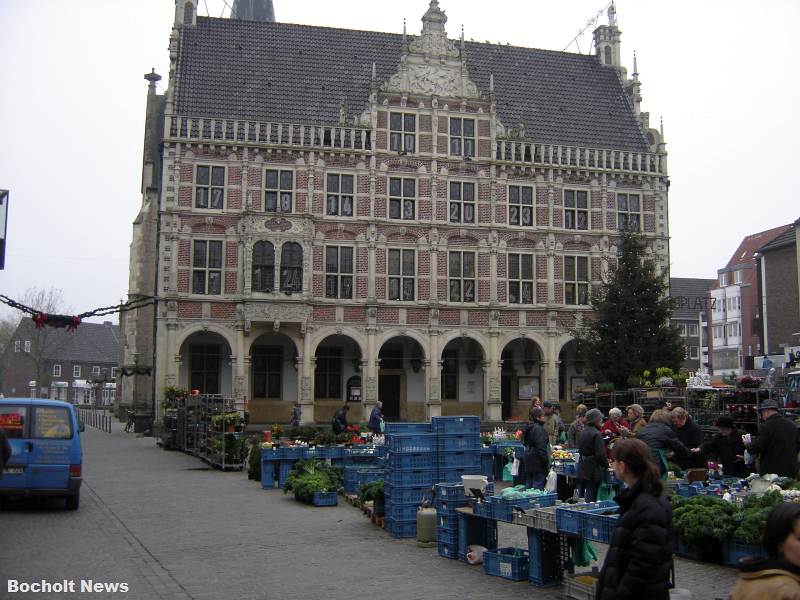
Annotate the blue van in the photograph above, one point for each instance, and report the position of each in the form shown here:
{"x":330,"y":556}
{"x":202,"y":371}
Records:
{"x":46,"y":458}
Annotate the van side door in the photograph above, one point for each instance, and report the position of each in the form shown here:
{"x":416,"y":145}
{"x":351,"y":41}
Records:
{"x":53,"y":435}
{"x":15,"y":423}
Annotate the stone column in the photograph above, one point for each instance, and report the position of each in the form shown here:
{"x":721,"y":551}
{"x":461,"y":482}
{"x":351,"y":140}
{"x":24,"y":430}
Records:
{"x":550,"y":370}
{"x":493,"y":402}
{"x":239,"y":369}
{"x":305,"y":387}
{"x":433,"y":370}
{"x":366,"y":406}
{"x":369,"y":383}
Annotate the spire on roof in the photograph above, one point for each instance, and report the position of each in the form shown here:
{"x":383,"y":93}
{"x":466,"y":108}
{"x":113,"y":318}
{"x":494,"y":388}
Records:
{"x":253,"y":10}
{"x":635,"y":67}
{"x":612,"y":15}
{"x":434,"y":19}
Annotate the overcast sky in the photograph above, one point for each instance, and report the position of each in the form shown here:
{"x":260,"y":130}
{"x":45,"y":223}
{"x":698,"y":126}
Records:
{"x":721,"y":73}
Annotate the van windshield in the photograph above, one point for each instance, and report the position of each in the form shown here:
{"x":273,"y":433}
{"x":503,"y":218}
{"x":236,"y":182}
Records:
{"x":12,"y":420}
{"x":52,"y":422}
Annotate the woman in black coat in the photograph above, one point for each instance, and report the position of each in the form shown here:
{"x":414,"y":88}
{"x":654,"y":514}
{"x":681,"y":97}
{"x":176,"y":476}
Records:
{"x":639,"y":560}
{"x":537,"y":451}
{"x":593,"y":461}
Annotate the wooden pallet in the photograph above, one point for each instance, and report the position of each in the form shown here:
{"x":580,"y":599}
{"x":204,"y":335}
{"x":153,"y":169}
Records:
{"x":376,"y":520}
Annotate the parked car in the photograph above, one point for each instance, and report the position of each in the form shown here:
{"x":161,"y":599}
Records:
{"x":46,"y":457}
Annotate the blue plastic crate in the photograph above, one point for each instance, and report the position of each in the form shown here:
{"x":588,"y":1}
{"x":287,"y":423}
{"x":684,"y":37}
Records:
{"x":393,"y":428}
{"x":449,"y":507}
{"x":309,"y":453}
{"x":458,"y":442}
{"x":460,"y":459}
{"x":325,"y":499}
{"x":446,"y":519}
{"x":401,"y":512}
{"x":508,"y":563}
{"x":733,"y":551}
{"x":284,"y":469}
{"x":450,"y":491}
{"x":270,"y":454}
{"x":267,"y":475}
{"x":363,"y":453}
{"x":447,"y":536}
{"x":406,"y":495}
{"x":292,"y":452}
{"x":425,"y":460}
{"x":466,"y":424}
{"x":503,"y":509}
{"x":487,"y":465}
{"x":568,"y":515}
{"x":411,"y":442}
{"x":410,"y":478}
{"x":332,"y":452}
{"x":482,"y":532}
{"x":544,"y":560}
{"x":500,"y":447}
{"x":483,"y":509}
{"x":447,"y":550}
{"x":596,"y":526}
{"x":400,"y":529}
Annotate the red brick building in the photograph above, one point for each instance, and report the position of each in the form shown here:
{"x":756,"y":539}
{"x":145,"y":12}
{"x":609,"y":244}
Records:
{"x":355,"y":215}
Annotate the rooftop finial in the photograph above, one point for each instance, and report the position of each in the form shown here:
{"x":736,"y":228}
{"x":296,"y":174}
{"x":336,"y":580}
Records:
{"x":404,"y":29}
{"x":153,"y":78}
{"x":491,"y":82}
{"x":662,"y":128}
{"x":635,"y":67}
{"x":612,"y":15}
{"x":374,"y":72}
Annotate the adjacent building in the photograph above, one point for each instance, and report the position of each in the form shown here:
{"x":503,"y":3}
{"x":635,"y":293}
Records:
{"x":78,"y":366}
{"x":690,"y":309}
{"x":334,"y":216}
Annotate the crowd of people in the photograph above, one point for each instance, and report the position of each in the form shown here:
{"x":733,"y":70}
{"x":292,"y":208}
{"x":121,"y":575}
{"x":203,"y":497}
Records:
{"x":639,"y":450}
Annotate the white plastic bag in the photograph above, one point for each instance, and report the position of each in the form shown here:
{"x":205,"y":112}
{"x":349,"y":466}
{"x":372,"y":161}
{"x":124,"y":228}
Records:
{"x":749,"y":459}
{"x":475,"y":554}
{"x":515,"y":467}
{"x":552,"y":481}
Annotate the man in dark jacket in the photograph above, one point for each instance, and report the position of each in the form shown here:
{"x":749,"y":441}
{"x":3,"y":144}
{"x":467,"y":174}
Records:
{"x":375,"y":418}
{"x":691,"y":436}
{"x":537,"y":450}
{"x":776,"y":445}
{"x":728,"y":447}
{"x":593,"y":461}
{"x":339,"y":422}
{"x":660,"y":438}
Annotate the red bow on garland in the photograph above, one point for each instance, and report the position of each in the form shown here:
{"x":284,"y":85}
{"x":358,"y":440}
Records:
{"x":59,"y":321}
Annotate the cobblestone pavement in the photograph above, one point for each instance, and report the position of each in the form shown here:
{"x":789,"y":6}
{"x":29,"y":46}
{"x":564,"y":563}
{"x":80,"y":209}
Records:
{"x":170,"y":528}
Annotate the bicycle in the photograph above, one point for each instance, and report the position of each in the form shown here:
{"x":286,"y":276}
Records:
{"x":130,"y":423}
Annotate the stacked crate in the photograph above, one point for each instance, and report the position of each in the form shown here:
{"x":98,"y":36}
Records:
{"x":449,"y":497}
{"x":458,"y":443}
{"x":410,"y":474}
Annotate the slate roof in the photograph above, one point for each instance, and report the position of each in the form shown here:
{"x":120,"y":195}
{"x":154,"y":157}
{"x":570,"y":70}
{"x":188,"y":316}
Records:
{"x":787,"y":238}
{"x":290,"y":73}
{"x":750,"y":245}
{"x":89,"y":343}
{"x":691,"y":289}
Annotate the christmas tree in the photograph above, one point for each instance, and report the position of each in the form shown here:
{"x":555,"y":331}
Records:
{"x":630,"y":331}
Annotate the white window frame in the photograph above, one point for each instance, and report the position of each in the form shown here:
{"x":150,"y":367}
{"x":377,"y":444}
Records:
{"x":461,"y":278}
{"x":283,"y":196}
{"x":27,"y":346}
{"x":401,"y":278}
{"x":458,"y":141}
{"x":460,"y":202}
{"x":737,"y":276}
{"x":574,"y":210}
{"x":694,"y":353}
{"x":76,"y":371}
{"x":580,"y":284}
{"x":517,"y":278}
{"x":402,"y":199}
{"x":723,"y":279}
{"x":56,"y":370}
{"x":114,"y":372}
{"x":692,"y":330}
{"x":624,"y":213}
{"x":207,"y":269}
{"x":210,"y":187}
{"x":520,"y":204}
{"x":339,"y":276}
{"x":95,"y":371}
{"x":733,"y":329}
{"x":719,"y":332}
{"x":16,"y":345}
{"x":336,"y":199}
{"x":407,"y":137}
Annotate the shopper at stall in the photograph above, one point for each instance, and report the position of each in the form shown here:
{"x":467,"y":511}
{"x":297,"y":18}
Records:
{"x":551,"y":421}
{"x":660,"y":438}
{"x":294,"y":420}
{"x":615,"y":426}
{"x":727,"y":446}
{"x":376,"y":418}
{"x":778,"y":575}
{"x":593,"y":461}
{"x":576,"y":426}
{"x":639,"y":559}
{"x":339,"y":421}
{"x":691,"y":436}
{"x":636,"y":420}
{"x":537,"y":451}
{"x":776,"y":445}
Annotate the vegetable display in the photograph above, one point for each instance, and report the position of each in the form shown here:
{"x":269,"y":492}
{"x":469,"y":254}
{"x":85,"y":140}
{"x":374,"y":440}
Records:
{"x":703,"y":518}
{"x":308,"y":477}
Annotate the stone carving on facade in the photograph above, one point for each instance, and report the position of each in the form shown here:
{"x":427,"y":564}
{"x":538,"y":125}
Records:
{"x":433,"y":394}
{"x":289,"y":313}
{"x":494,"y":390}
{"x":278,"y":224}
{"x":372,"y":388}
{"x":305,"y":389}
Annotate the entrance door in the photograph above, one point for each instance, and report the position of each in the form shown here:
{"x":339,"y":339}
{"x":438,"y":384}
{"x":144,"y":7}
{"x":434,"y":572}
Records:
{"x":389,"y":394}
{"x":204,"y":368}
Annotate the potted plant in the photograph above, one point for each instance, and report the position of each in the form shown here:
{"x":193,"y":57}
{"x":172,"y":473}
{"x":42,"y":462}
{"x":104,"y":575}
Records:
{"x":373,"y":492}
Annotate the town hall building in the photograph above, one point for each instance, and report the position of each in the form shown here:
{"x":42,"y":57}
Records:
{"x":334,"y":216}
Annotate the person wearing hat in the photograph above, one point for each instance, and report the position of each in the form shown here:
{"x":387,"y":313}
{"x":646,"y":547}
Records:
{"x":776,"y":444}
{"x":576,"y":427}
{"x":727,"y":446}
{"x":593,"y":461}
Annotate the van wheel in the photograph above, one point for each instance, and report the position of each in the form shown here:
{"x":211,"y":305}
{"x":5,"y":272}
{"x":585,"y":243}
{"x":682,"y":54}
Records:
{"x":74,"y":501}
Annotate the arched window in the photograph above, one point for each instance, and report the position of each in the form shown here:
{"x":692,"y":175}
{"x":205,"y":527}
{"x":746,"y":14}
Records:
{"x":291,"y":267}
{"x":607,"y":55}
{"x":188,"y":9}
{"x":263,"y":267}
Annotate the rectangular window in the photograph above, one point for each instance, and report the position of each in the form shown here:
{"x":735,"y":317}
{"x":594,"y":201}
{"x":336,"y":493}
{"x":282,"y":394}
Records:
{"x":462,"y":202}
{"x":402,"y":198}
{"x":402,"y":133}
{"x":628,"y":212}
{"x":16,"y":345}
{"x":723,"y":279}
{"x":520,"y":278}
{"x":339,"y":195}
{"x":56,"y":370}
{"x":462,"y":137}
{"x":267,"y":369}
{"x":718,"y":332}
{"x":520,"y":205}
{"x":576,"y":209}
{"x":51,"y":422}
{"x":733,"y":329}
{"x":682,"y":329}
{"x":96,"y":371}
{"x":737,"y":277}
{"x":693,"y":329}
{"x":694,"y":352}
{"x":27,"y":345}
{"x":328,"y":373}
{"x":207,"y":267}
{"x":13,"y":419}
{"x":204,"y":368}
{"x":576,"y":280}
{"x":461,"y":271}
{"x":76,"y":371}
{"x":450,"y":374}
{"x":278,"y":190}
{"x":209,"y":187}
{"x":114,"y":372}
{"x":338,"y":272}
{"x":402,"y":274}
